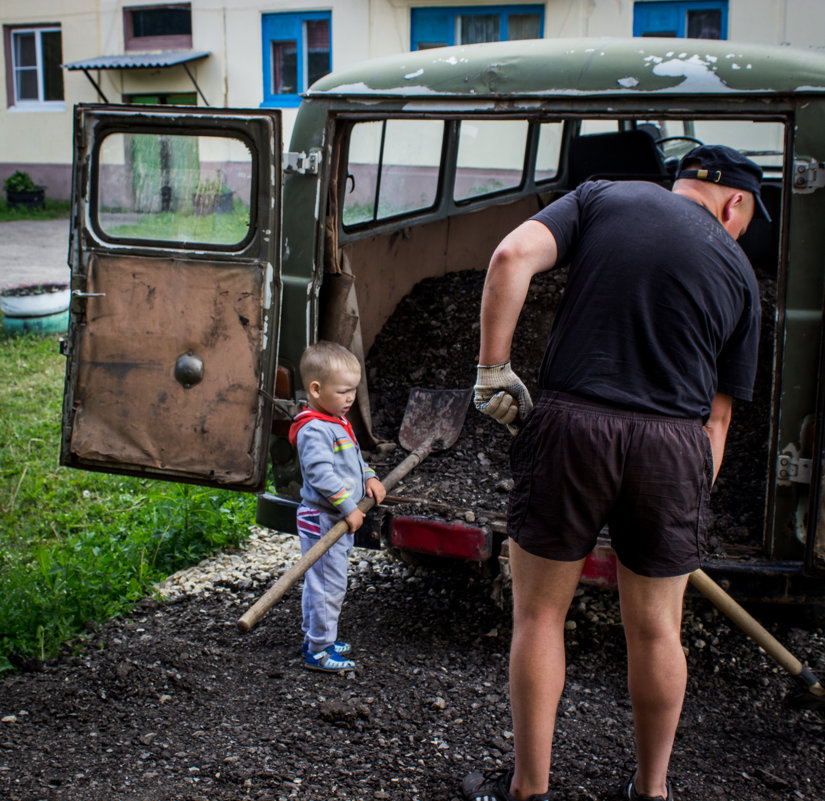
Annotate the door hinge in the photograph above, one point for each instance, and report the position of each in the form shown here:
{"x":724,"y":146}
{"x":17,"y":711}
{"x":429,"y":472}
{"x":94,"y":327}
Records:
{"x":791,"y":468}
{"x":303,"y":163}
{"x":808,"y":175}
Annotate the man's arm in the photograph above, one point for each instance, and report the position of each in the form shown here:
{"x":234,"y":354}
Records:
{"x":526,"y":251}
{"x":498,"y":391}
{"x":717,"y":428}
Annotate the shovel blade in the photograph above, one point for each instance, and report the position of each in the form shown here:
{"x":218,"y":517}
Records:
{"x":433,"y":418}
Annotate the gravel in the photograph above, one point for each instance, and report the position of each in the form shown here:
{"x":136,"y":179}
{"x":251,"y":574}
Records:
{"x":173,"y":703}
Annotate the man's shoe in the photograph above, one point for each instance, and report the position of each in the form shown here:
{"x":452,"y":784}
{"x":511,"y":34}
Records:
{"x":493,"y":786}
{"x":340,"y":648}
{"x":328,"y":661}
{"x":630,"y":793}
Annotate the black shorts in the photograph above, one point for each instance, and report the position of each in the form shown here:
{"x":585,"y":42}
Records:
{"x":579,"y":465}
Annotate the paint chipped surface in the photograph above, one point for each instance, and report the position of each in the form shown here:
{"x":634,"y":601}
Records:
{"x":131,"y":411}
{"x":541,"y":68}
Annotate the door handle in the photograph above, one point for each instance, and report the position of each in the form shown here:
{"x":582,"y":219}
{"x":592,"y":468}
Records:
{"x":76,"y":293}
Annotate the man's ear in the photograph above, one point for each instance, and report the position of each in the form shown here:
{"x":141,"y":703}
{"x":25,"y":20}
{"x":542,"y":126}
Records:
{"x":734,"y":201}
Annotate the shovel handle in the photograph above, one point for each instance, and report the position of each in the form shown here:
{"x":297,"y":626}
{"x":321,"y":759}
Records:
{"x":280,"y":587}
{"x":760,"y":635}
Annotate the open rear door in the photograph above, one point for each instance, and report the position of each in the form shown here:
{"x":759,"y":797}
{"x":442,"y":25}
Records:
{"x":174,"y":255}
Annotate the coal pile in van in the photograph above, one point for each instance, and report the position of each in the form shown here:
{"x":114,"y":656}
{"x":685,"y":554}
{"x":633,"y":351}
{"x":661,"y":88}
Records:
{"x":431,"y":340}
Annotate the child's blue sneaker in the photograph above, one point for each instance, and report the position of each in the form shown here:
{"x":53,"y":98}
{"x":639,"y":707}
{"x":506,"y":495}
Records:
{"x":340,"y":648}
{"x":328,"y":661}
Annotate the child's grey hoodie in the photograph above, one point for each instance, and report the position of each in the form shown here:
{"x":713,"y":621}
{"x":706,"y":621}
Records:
{"x":333,"y":470}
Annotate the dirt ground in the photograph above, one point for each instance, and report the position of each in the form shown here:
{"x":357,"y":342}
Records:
{"x":34,"y":251}
{"x":173,"y":703}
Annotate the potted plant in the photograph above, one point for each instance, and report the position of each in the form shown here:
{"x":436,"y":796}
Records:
{"x":22,"y":191}
{"x":212,"y":196}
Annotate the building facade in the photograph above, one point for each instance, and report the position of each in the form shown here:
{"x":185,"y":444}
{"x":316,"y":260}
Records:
{"x":219,"y":53}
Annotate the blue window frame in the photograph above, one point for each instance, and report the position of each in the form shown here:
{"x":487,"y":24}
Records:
{"x":691,"y":19}
{"x":451,"y":25}
{"x":297,"y":52}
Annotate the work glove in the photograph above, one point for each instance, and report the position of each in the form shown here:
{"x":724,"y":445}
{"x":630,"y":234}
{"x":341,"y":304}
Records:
{"x":500,"y":393}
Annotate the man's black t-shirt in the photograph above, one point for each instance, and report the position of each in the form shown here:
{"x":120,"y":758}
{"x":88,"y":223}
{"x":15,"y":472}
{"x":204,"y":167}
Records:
{"x":661,"y":308}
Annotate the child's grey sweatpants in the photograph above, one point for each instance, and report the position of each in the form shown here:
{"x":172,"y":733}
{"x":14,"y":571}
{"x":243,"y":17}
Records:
{"x":325,"y":583}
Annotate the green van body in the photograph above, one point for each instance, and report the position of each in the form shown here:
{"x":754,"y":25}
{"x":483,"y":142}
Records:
{"x":327,"y":272}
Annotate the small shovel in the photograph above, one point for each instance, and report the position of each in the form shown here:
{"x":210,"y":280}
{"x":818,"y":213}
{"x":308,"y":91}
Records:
{"x":432,"y":422}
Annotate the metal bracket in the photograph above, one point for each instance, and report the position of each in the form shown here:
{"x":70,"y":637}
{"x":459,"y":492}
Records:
{"x":791,"y":469}
{"x":303,"y":163}
{"x":808,"y":175}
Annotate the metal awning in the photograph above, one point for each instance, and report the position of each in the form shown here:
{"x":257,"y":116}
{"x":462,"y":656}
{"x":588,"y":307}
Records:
{"x":138,"y":61}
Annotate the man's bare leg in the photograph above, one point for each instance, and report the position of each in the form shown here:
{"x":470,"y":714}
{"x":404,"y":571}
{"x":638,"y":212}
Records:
{"x":542,"y":592}
{"x":656,"y":670}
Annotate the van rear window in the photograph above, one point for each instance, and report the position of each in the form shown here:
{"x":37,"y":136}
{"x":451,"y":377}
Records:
{"x":175,"y":189}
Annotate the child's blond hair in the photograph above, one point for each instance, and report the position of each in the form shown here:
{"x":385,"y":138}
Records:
{"x":323,"y":358}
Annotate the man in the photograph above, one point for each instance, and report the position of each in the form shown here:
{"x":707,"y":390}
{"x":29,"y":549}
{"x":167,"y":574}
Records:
{"x":657,"y":333}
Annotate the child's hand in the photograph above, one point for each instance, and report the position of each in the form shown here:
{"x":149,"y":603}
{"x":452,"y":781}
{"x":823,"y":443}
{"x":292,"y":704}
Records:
{"x":354,"y":519}
{"x":375,"y":489}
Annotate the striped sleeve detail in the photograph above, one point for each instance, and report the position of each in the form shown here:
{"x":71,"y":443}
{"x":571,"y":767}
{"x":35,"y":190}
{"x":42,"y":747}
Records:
{"x":340,"y":497}
{"x":342,"y":444}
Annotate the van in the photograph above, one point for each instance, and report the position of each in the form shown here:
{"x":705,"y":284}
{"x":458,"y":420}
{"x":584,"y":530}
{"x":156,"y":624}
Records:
{"x":204,"y":260}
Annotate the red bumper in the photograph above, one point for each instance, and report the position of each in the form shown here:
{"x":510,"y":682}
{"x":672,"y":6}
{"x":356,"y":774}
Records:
{"x":452,"y":540}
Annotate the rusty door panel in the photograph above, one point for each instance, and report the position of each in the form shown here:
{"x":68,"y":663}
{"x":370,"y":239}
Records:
{"x":173,"y":333}
{"x":129,"y":409}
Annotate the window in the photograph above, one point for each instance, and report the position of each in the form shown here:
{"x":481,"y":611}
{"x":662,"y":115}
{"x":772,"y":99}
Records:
{"x":296,"y":53}
{"x":167,"y":27}
{"x":483,"y":165}
{"x":691,"y":19}
{"x":33,"y":58}
{"x":440,"y":27}
{"x":548,"y":151}
{"x":392,"y":169}
{"x":180,"y":189}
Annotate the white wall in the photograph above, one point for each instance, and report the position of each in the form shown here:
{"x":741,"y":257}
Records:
{"x":361,"y":29}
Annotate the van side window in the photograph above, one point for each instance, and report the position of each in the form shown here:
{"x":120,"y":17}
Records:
{"x":548,"y":151}
{"x":491,"y":157}
{"x":392,"y":169}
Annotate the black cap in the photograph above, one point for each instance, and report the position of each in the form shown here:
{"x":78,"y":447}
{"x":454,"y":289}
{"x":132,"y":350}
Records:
{"x":728,"y":167}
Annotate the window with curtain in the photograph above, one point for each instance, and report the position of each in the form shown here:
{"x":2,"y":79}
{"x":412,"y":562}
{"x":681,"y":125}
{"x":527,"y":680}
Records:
{"x":296,"y":53}
{"x":690,"y":19}
{"x":455,"y":25}
{"x":33,"y":60}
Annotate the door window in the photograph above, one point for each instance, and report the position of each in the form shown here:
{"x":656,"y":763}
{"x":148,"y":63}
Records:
{"x":182,"y":190}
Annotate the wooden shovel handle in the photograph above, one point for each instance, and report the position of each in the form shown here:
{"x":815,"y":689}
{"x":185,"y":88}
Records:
{"x":760,"y":635}
{"x":286,"y":580}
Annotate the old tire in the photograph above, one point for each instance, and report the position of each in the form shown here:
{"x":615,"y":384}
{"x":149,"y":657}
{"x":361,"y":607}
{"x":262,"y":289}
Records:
{"x":38,"y":300}
{"x":56,"y":323}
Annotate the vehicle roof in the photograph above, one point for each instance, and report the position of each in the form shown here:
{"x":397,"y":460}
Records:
{"x":542,"y":67}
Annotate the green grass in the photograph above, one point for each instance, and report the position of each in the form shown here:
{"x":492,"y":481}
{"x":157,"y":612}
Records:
{"x":77,"y":546}
{"x":55,"y":209}
{"x":226,"y":229}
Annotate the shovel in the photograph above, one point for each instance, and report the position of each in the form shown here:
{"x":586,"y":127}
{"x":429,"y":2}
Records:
{"x":432,"y":422}
{"x":811,"y":693}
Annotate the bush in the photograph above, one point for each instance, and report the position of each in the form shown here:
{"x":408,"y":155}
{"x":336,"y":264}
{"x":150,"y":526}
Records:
{"x":20,"y":182}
